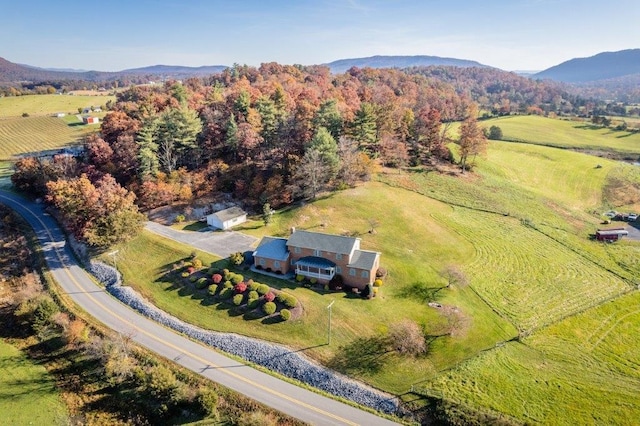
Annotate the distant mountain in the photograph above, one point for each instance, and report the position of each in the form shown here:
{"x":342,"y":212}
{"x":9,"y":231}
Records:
{"x":343,"y":65}
{"x":603,"y":66}
{"x":14,"y":73}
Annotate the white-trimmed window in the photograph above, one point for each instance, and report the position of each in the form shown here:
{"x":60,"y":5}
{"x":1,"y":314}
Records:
{"x":338,"y":270}
{"x":296,"y":250}
{"x":317,"y":253}
{"x":262,"y":262}
{"x":276,"y":264}
{"x":352,"y":272}
{"x":338,"y":256}
{"x":365,"y":274}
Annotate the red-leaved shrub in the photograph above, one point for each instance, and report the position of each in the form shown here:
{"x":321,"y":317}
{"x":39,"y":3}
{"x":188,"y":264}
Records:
{"x":269,"y":297}
{"x":217,"y":278}
{"x":241,"y":287}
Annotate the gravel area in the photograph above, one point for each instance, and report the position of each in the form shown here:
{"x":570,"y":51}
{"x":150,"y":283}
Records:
{"x":274,"y":357}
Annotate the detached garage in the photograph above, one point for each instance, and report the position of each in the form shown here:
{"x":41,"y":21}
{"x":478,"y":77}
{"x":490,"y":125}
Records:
{"x":228,"y":218}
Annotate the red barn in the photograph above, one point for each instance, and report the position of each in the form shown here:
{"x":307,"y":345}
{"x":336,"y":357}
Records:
{"x":90,"y":120}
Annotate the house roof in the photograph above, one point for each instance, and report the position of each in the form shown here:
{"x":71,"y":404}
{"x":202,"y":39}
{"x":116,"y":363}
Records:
{"x":315,"y":262}
{"x":272,"y":248}
{"x":363,"y":259}
{"x":324,"y":242}
{"x":228,"y":214}
{"x":612,"y":232}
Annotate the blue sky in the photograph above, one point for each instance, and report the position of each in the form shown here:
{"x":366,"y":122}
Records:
{"x":118,"y":34}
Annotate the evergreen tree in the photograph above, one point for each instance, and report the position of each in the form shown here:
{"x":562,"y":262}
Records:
{"x":327,"y":147}
{"x":148,"y":152}
{"x":364,"y":129}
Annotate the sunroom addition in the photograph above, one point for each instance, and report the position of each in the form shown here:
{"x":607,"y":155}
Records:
{"x":316,"y":267}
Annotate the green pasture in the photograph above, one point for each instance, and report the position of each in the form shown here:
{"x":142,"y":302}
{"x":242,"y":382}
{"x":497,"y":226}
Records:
{"x":34,"y":134}
{"x":38,"y":105}
{"x":582,"y":370}
{"x":28,"y":394}
{"x":583,"y":135}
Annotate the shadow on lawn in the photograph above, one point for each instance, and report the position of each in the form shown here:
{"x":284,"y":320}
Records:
{"x":422,"y":292}
{"x":365,"y":354}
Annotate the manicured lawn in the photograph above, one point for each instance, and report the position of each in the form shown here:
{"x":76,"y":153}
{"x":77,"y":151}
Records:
{"x":38,"y":105}
{"x":28,"y":394}
{"x":413,"y":276}
{"x":33,"y":134}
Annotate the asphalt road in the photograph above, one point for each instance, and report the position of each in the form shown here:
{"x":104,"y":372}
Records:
{"x":74,"y":281}
{"x":221,"y":243}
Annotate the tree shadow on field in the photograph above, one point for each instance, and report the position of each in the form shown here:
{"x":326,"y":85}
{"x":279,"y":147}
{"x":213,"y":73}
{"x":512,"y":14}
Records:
{"x":421,"y":292}
{"x":363,"y":355}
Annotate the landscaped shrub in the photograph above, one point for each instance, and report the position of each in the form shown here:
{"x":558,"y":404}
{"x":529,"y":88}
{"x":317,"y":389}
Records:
{"x":336,"y":282}
{"x":285,"y":314}
{"x":240,"y":287}
{"x":253,"y":294}
{"x":228,"y":284}
{"x":179,"y":218}
{"x":252,"y":285}
{"x":381,"y":273}
{"x":217,"y":278}
{"x":226,"y":293}
{"x":197,"y":263}
{"x":236,"y":259}
{"x":269,"y":308}
{"x":253,"y":303}
{"x":313,"y":280}
{"x":377,"y":283}
{"x":287,"y":300}
{"x":236,"y":278}
{"x":202,"y":283}
{"x":299,"y":278}
{"x":184,"y":274}
{"x":193,"y":279}
{"x":237,"y":299}
{"x":226,"y":274}
{"x":191,"y":270}
{"x":263,"y":289}
{"x":269,"y":297}
{"x":213,"y":288}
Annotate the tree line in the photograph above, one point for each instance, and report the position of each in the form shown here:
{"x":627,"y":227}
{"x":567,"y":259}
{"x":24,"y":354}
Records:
{"x":272,"y":134}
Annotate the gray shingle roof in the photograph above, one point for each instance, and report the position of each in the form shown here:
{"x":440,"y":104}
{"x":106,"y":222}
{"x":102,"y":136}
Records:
{"x":324,"y":242}
{"x":272,"y":248}
{"x":363,"y":259}
{"x":230,"y":213}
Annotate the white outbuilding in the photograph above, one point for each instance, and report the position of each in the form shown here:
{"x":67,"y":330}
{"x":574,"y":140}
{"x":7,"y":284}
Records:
{"x":227,"y":218}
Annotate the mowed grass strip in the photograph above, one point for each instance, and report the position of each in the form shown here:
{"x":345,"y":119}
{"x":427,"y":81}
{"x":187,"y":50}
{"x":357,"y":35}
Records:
{"x":565,"y":134}
{"x":28,"y":394}
{"x":582,"y":370}
{"x":34,"y":134}
{"x":38,"y":105}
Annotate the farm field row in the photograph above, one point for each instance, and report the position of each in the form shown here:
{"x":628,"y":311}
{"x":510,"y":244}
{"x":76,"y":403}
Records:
{"x":582,"y":370}
{"x":28,"y":394}
{"x":34,"y":134}
{"x":38,"y":105}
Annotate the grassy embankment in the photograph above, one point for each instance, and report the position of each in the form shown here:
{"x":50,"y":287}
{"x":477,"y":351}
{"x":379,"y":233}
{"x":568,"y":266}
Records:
{"x":28,"y":393}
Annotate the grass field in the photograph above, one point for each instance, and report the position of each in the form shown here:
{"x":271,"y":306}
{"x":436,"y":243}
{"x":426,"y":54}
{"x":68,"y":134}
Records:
{"x":38,"y":105}
{"x":582,"y":370}
{"x":33,"y":134}
{"x":28,"y":394}
{"x":566,"y":134}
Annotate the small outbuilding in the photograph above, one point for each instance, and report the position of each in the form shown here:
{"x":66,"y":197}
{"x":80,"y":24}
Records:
{"x":611,"y":234}
{"x":90,"y":120}
{"x":228,"y":218}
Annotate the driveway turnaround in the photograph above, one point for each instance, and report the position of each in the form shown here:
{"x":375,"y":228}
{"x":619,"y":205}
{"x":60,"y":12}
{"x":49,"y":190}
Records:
{"x":220,"y":243}
{"x":77,"y":284}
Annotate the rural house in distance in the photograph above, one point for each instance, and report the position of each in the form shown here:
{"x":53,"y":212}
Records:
{"x":226,"y":219}
{"x":320,"y":256}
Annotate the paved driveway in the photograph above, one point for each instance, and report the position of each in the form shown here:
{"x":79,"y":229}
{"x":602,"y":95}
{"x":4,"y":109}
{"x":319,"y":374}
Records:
{"x":220,"y":243}
{"x":634,"y":232}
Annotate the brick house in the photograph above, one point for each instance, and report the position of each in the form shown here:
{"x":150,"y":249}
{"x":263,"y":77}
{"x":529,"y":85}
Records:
{"x":320,"y":256}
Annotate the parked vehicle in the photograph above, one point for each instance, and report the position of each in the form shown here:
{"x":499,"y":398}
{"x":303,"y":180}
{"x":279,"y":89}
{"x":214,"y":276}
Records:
{"x":632,"y":217}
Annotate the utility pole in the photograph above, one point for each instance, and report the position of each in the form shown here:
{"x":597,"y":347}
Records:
{"x":329,"y":325}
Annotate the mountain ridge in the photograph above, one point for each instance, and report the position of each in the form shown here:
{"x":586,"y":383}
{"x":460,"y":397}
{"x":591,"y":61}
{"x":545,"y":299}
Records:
{"x":399,"y":61}
{"x":602,"y":66}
